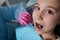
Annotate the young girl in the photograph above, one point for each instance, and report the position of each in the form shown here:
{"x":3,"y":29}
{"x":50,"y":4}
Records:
{"x":46,"y":20}
{"x":46,"y":17}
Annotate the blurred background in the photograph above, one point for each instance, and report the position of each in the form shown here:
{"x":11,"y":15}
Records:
{"x":10,"y":2}
{"x":11,"y":26}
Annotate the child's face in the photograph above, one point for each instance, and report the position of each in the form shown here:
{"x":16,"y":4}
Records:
{"x":46,"y":15}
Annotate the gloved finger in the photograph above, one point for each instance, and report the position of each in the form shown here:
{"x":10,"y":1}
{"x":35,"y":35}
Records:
{"x":21,"y":23}
{"x":25,"y":17}
{"x":28,"y":14}
{"x":27,"y":20}
{"x":25,"y":14}
{"x":24,"y":22}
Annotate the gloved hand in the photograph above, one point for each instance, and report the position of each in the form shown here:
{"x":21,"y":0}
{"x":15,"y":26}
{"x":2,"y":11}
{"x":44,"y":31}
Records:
{"x":24,"y":18}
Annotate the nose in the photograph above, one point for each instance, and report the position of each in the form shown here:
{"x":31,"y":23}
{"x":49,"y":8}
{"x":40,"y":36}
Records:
{"x":40,"y":16}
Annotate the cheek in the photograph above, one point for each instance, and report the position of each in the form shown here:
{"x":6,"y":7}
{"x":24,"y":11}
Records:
{"x":34,"y":15}
{"x":50,"y":24}
{"x":51,"y":21}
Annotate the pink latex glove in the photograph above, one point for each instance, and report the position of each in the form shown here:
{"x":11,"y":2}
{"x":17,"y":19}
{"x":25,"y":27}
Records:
{"x":24,"y":18}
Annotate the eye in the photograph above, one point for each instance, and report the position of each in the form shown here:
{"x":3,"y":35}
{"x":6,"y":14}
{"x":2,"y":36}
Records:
{"x":49,"y":11}
{"x":37,"y":8}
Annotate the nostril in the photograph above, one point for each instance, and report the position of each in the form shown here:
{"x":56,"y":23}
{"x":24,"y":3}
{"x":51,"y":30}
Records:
{"x":41,"y":17}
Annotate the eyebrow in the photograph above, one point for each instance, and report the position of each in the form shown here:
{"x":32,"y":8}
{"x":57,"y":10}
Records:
{"x":57,"y":9}
{"x":37,"y":3}
{"x":53,"y":7}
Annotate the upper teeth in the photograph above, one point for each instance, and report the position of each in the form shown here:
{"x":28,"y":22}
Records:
{"x":39,"y":26}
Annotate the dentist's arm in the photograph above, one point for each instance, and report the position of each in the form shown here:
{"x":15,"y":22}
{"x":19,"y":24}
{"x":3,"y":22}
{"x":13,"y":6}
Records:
{"x":8,"y":13}
{"x":14,"y":12}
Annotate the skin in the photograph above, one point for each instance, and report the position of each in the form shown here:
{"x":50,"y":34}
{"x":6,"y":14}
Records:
{"x":46,"y":13}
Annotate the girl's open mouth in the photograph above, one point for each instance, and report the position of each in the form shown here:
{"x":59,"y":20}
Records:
{"x":38,"y":26}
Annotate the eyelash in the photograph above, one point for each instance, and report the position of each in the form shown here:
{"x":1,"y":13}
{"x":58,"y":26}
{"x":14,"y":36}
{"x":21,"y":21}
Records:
{"x":37,"y":8}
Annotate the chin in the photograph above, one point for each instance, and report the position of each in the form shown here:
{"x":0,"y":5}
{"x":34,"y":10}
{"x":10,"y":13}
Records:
{"x":38,"y":32}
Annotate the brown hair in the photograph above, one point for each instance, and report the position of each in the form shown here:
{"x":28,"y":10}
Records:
{"x":57,"y":30}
